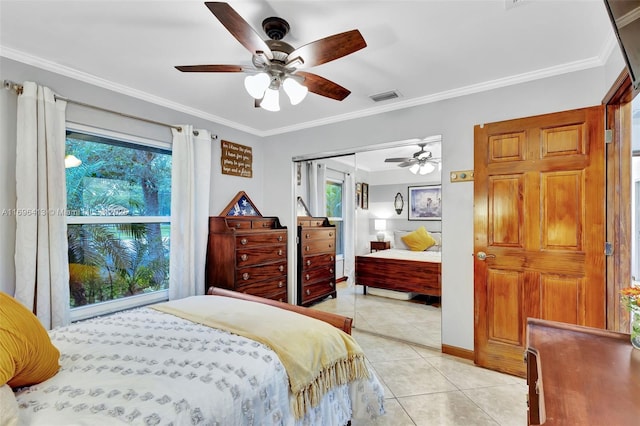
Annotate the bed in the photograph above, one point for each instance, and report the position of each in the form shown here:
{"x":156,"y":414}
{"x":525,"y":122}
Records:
{"x":158,"y":365}
{"x":401,"y":269}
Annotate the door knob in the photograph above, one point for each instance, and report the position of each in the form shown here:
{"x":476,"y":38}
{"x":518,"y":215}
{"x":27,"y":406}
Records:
{"x":482,"y":255}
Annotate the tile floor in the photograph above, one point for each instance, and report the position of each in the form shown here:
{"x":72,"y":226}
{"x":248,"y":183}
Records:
{"x":422,"y":385}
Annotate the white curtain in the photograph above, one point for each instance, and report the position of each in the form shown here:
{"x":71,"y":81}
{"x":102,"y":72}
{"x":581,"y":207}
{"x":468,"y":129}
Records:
{"x":41,"y":260}
{"x":190,"y":182}
{"x":349,"y":221}
{"x":317,"y":181}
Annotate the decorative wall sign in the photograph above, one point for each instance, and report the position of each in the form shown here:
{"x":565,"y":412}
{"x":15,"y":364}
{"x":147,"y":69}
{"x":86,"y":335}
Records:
{"x":365,"y":196}
{"x":236,"y":159}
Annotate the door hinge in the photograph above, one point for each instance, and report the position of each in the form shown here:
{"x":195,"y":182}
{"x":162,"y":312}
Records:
{"x":608,"y":249}
{"x":608,"y":136}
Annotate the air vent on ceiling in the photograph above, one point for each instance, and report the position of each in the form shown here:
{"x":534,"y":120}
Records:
{"x":385,"y":96}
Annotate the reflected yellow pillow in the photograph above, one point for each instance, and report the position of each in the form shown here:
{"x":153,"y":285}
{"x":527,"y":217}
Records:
{"x":419,"y":240}
{"x":27,"y":355}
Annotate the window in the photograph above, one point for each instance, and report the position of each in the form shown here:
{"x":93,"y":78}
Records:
{"x":118,"y":222}
{"x":334,"y":211}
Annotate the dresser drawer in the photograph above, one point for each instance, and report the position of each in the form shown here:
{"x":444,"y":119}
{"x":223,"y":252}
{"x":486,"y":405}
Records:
{"x":239,"y":223}
{"x":317,"y":247}
{"x":311,"y":234}
{"x":247,"y":240}
{"x":253,"y":274}
{"x":318,"y":274}
{"x":263,"y":223}
{"x":266,"y":287}
{"x":312,"y":291}
{"x":311,"y":222}
{"x":319,"y":260}
{"x":248,"y":256}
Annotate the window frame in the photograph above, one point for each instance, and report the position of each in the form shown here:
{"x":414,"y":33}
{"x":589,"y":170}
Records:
{"x":110,"y":306}
{"x":339,"y":181}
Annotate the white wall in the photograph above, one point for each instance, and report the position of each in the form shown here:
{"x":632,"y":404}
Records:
{"x":454,"y":119}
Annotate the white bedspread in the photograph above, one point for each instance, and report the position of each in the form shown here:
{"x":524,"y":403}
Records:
{"x":150,"y":368}
{"x":419,"y":256}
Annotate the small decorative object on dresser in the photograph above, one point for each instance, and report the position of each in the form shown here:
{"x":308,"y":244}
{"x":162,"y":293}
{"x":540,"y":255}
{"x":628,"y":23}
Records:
{"x":630,"y":298}
{"x":247,"y":252}
{"x":316,"y":259}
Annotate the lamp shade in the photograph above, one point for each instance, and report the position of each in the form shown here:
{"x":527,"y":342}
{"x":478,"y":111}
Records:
{"x":427,"y":168}
{"x":414,"y":169}
{"x":296,"y":91}
{"x":257,"y":84}
{"x":380,"y":225}
{"x":271,"y":100}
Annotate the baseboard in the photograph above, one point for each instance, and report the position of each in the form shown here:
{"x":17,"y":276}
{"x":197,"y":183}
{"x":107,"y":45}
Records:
{"x":456,"y":351}
{"x":342,"y":279}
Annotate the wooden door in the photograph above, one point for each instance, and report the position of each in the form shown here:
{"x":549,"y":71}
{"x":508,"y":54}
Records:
{"x":539,"y":196}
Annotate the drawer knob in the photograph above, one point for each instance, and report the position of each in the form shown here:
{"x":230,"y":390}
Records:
{"x":308,"y":292}
{"x":280,"y":284}
{"x":331,"y":234}
{"x":279,"y":252}
{"x":332,"y":259}
{"x":279,"y":237}
{"x":308,"y":262}
{"x":244,"y":257}
{"x":307,"y":277}
{"x":237,"y":225}
{"x":307,"y":248}
{"x":307,"y":236}
{"x":331,"y":284}
{"x":281,"y":300}
{"x":266,"y":225}
{"x":330,"y":245}
{"x":244,"y":241}
{"x":245,"y":276}
{"x":331,"y":270}
{"x":281,"y":268}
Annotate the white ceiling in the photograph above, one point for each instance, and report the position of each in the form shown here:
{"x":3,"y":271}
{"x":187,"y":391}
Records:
{"x":426,"y":50}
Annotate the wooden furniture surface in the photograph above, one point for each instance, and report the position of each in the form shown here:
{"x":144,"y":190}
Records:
{"x":399,"y":275}
{"x":248,"y":254}
{"x":316,"y":259}
{"x":336,"y":320}
{"x":379,"y":245}
{"x":581,"y":375}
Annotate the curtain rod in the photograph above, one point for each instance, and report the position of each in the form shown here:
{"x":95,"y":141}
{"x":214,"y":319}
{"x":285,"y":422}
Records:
{"x":10,"y":85}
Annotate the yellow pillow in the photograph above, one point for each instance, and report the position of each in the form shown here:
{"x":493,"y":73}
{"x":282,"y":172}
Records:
{"x":419,"y":240}
{"x":27,"y":355}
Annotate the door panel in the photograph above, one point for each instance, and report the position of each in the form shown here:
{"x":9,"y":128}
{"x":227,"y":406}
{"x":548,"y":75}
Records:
{"x":539,"y":216}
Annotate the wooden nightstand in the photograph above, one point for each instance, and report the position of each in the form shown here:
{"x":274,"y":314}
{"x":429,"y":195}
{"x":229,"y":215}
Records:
{"x":380,"y":245}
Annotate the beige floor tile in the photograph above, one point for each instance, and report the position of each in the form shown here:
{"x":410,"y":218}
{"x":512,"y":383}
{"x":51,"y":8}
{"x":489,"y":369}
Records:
{"x":381,"y":349}
{"x":394,"y":416}
{"x":507,"y":404}
{"x":465,"y":375}
{"x":412,"y":377}
{"x":445,"y":409}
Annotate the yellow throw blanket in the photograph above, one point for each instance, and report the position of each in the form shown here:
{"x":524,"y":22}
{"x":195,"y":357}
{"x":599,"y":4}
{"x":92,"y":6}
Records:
{"x":316,"y":355}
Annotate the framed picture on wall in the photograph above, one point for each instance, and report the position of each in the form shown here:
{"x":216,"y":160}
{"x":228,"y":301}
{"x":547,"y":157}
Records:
{"x":425,"y":202}
{"x":358,"y":194}
{"x":365,"y":196}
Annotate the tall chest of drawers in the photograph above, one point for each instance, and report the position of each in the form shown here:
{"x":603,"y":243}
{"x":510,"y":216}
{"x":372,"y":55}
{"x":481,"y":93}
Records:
{"x":316,"y":259}
{"x":248,"y":255}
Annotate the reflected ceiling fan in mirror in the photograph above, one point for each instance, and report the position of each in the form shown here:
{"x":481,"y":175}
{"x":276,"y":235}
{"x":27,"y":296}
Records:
{"x":422,"y":162}
{"x":277,"y":64}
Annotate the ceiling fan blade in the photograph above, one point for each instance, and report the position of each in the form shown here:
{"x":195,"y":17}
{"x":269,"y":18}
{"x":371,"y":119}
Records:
{"x":323,"y":87}
{"x":239,"y":28}
{"x":210,"y":68}
{"x":327,"y":49}
{"x":397,"y":160}
{"x":407,"y":163}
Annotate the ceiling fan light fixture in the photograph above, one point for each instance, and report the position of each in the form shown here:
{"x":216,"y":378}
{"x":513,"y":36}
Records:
{"x":426,"y":168}
{"x":271,"y":100}
{"x":414,"y":169}
{"x":296,"y":91}
{"x":257,"y":84}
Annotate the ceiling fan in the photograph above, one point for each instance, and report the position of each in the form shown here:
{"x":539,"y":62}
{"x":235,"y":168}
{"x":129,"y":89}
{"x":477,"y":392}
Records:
{"x":277,"y":64}
{"x":421,"y":162}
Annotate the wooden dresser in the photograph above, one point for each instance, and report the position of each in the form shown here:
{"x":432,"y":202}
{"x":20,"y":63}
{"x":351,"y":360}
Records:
{"x":581,"y":375}
{"x":248,"y":254}
{"x":316,"y":259}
